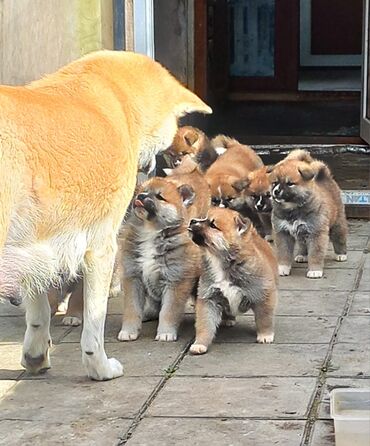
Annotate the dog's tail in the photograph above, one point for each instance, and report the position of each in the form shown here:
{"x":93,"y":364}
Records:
{"x":223,"y":141}
{"x":300,"y":155}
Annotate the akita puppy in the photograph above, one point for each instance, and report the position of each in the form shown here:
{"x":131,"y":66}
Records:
{"x":161,"y":265}
{"x":70,"y":146}
{"x":239,"y":273}
{"x":307,"y":208}
{"x":194,"y":143}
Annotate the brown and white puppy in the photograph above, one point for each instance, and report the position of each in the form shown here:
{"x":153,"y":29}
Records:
{"x":195,"y":143}
{"x":257,"y":193}
{"x":161,"y":265}
{"x":239,"y":273}
{"x":307,"y":208}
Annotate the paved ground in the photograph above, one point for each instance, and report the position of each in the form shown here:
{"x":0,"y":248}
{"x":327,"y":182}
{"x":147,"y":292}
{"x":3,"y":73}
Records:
{"x":240,"y":393}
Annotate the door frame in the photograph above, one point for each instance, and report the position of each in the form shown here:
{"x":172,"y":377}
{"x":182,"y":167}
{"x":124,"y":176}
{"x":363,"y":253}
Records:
{"x":365,"y":119}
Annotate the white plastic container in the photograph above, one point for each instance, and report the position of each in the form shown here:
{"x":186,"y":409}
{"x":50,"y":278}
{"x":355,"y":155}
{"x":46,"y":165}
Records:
{"x":350,"y":409}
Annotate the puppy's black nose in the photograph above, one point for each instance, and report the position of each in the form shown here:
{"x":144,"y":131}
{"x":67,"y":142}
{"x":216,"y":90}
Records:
{"x":142,"y":196}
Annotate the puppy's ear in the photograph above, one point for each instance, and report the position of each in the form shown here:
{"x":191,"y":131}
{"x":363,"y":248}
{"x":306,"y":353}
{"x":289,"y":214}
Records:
{"x":187,"y":194}
{"x":307,"y":173}
{"x":168,"y":171}
{"x":191,"y":136}
{"x":240,"y":185}
{"x":242,"y":224}
{"x":321,"y":170}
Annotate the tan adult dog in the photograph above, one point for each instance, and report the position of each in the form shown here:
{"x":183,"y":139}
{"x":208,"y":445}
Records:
{"x":70,"y":146}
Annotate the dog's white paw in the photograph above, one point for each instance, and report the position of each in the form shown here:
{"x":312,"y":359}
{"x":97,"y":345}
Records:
{"x":166,"y":337}
{"x":110,"y":370}
{"x":341,"y":257}
{"x":125,"y":335}
{"x":72,"y":321}
{"x":198,"y":349}
{"x":263,"y":338}
{"x":315,"y":274}
{"x":284,"y":270}
{"x":300,"y":258}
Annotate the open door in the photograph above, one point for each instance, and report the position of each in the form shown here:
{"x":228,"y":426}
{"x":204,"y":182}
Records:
{"x":365,"y":102}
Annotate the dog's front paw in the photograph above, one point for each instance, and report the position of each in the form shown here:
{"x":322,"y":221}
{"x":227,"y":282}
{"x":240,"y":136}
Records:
{"x":284,"y":270}
{"x":198,"y":349}
{"x":315,"y":274}
{"x":104,"y":372}
{"x":265,"y":338}
{"x":301,"y":258}
{"x":72,"y":321}
{"x":128,"y":335}
{"x":166,"y":337}
{"x":341,"y":257}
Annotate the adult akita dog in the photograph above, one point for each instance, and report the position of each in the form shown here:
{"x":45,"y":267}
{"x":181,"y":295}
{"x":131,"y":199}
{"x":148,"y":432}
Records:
{"x":70,"y":146}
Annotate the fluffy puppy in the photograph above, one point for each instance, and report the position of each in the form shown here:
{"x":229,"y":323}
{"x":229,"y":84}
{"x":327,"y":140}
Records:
{"x":307,"y":208}
{"x":161,"y":265}
{"x":257,"y":194}
{"x":195,"y":143}
{"x":239,"y":272}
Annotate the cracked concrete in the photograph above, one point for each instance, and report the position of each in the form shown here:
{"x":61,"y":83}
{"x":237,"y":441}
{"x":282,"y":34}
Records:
{"x":240,"y":393}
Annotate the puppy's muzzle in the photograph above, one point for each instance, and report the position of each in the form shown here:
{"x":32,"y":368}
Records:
{"x":196,"y":228}
{"x":277,"y":191}
{"x":144,"y":201}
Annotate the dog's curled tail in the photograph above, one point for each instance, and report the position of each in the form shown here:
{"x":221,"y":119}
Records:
{"x":300,"y":155}
{"x":223,"y":141}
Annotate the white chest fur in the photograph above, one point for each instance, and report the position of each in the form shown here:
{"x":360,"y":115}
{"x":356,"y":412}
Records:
{"x":147,"y":256}
{"x":232,"y":293}
{"x":290,"y":227}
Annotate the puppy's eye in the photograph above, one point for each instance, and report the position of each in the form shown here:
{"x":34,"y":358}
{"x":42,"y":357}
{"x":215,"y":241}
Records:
{"x":216,"y":201}
{"x":268,"y":194}
{"x":275,"y":183}
{"x":160,"y":197}
{"x":290,"y":184}
{"x":212,"y":224}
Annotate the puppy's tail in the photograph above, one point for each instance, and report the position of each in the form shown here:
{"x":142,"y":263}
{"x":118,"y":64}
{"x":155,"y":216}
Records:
{"x":300,"y":155}
{"x":223,"y":141}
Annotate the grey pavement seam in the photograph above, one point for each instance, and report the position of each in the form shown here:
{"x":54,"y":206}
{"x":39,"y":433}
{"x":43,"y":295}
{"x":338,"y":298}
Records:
{"x":140,"y":415}
{"x":316,"y":398}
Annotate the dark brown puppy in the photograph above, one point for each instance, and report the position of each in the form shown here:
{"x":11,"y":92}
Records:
{"x":239,"y":272}
{"x":307,"y":208}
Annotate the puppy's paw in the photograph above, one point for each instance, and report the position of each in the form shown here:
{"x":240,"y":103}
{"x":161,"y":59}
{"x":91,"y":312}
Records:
{"x":265,"y":338}
{"x":284,"y":270}
{"x":167,"y":337}
{"x":109,"y":369}
{"x":72,"y":321}
{"x":126,"y":335}
{"x":198,"y":349}
{"x":301,"y":259}
{"x":341,"y":257}
{"x":315,"y":274}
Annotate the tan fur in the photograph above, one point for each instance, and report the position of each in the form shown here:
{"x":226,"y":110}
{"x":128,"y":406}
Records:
{"x":231,"y":167}
{"x":225,"y":231}
{"x":70,"y":145}
{"x":313,"y":215}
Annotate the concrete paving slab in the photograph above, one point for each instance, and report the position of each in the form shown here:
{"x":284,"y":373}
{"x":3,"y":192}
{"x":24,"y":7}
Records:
{"x":333,"y":279}
{"x":288,"y":330}
{"x":356,"y":242}
{"x":323,"y":434}
{"x":70,"y":399}
{"x":311,"y":303}
{"x":333,"y":383}
{"x":365,"y":279}
{"x":353,"y":261}
{"x":5,"y":387}
{"x":81,"y":432}
{"x":358,"y":227}
{"x":355,"y":329}
{"x":360,"y":305}
{"x":267,"y":397}
{"x":10,"y":367}
{"x":140,"y":358}
{"x":216,"y":432}
{"x":350,"y":360}
{"x":240,"y":360}
{"x":113,"y":326}
{"x":7,"y":309}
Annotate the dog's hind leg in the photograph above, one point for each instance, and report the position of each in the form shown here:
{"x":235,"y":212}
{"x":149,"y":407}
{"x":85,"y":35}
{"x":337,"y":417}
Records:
{"x":338,"y":236}
{"x":133,"y":308}
{"x":97,"y":272}
{"x":73,"y":315}
{"x":264,"y":317}
{"x":37,"y":341}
